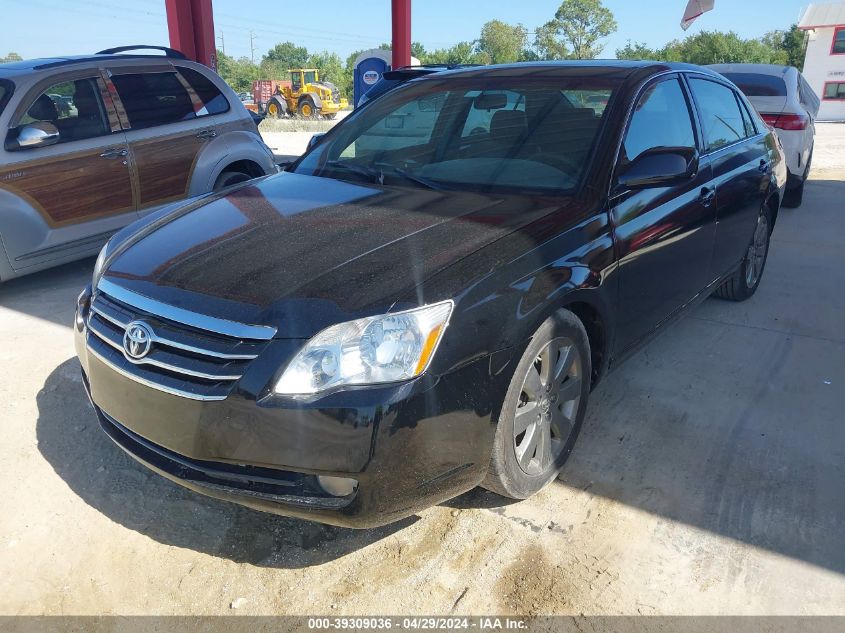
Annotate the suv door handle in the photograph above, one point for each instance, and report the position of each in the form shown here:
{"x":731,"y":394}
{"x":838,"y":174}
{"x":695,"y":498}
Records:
{"x":764,"y":165}
{"x":206,"y":134}
{"x":708,"y":194}
{"x":115,"y":152}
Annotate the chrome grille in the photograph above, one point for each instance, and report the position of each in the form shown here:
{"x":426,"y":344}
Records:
{"x":184,"y":360}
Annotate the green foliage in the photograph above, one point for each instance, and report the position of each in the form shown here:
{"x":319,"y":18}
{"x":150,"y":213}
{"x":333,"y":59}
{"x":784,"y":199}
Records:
{"x":548,"y":41}
{"x":281,"y":58}
{"x":575,"y":31}
{"x":460,"y":53}
{"x":330,"y":66}
{"x":11,"y":57}
{"x":501,"y":43}
{"x":238,"y":73}
{"x":715,"y":47}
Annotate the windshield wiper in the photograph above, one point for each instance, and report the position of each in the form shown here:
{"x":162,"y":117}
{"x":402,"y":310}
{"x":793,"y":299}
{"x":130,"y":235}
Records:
{"x":372,"y":175}
{"x":425,"y":182}
{"x":376,"y":174}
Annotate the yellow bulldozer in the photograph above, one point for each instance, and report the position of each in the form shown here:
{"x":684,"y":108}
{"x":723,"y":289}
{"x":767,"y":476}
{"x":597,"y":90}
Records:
{"x":305,"y":96}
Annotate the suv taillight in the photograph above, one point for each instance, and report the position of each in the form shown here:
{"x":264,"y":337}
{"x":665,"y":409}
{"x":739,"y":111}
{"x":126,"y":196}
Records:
{"x":787,"y":121}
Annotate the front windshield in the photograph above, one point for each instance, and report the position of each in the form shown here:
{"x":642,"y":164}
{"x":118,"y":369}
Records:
{"x":470,"y":133}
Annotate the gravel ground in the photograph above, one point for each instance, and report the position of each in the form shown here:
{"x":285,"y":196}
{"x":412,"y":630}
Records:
{"x":708,"y":480}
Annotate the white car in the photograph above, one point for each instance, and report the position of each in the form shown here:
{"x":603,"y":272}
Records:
{"x":787,"y":103}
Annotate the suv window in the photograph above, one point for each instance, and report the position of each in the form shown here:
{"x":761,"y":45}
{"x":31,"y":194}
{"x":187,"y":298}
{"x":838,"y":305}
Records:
{"x":153,"y":99}
{"x":661,"y":119}
{"x":720,"y":113}
{"x":74,"y":107}
{"x":213,"y":101}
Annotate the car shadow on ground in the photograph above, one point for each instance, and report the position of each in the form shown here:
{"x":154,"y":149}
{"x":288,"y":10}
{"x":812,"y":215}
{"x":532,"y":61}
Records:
{"x":70,"y":439}
{"x":48,"y":294}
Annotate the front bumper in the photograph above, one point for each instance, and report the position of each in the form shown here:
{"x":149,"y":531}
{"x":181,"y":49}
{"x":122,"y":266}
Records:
{"x":409,"y":446}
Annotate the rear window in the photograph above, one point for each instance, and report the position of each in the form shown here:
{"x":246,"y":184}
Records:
{"x":212,"y":99}
{"x":754,"y":85}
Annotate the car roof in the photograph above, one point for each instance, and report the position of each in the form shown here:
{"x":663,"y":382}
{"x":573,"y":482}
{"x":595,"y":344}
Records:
{"x":29,"y":65}
{"x":574,"y":67}
{"x":759,"y":69}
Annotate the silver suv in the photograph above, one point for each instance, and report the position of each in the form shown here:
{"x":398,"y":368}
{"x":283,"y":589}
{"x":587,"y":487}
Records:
{"x":92,"y":143}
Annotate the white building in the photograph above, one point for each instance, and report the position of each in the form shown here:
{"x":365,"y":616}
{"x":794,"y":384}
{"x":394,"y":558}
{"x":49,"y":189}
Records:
{"x":824,"y":65}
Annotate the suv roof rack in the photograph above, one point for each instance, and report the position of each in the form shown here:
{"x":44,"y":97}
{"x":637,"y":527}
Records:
{"x":168,"y":52}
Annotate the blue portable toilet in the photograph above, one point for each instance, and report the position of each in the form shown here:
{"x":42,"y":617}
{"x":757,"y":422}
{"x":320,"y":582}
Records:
{"x":369,"y":67}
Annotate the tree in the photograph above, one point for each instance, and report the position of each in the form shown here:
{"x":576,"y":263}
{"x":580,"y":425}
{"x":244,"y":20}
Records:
{"x":501,"y":43}
{"x":238,"y":73}
{"x":330,"y":67}
{"x":549,"y":43}
{"x":11,"y":57}
{"x":791,"y":43}
{"x":460,"y":53}
{"x":281,"y":58}
{"x":639,"y":50}
{"x":579,"y":25}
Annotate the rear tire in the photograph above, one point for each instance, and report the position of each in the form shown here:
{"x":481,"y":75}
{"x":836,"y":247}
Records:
{"x":229,"y":178}
{"x":743,"y":282}
{"x":543,"y":409}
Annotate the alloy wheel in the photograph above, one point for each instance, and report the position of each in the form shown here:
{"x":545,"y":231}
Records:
{"x":548,"y":406}
{"x":755,"y":258}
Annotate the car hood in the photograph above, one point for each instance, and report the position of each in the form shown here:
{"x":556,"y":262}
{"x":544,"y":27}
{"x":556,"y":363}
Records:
{"x":300,"y":252}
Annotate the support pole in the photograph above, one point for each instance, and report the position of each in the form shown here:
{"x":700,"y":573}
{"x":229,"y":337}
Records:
{"x":401,"y":44}
{"x":190,"y":24}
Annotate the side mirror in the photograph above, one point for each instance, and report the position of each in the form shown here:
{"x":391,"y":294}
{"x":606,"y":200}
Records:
{"x":315,"y":139}
{"x":37,"y":134}
{"x":660,"y":167}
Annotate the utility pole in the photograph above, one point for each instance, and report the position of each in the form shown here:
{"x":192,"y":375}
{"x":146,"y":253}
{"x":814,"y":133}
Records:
{"x":252,"y":46}
{"x":222,"y":43}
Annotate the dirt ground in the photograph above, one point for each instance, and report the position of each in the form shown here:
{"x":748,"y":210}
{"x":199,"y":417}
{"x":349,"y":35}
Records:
{"x":708,"y":479}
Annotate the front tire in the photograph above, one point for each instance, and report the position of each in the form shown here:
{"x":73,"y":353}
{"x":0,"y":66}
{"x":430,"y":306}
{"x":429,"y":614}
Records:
{"x":743,"y":282}
{"x":543,"y":410}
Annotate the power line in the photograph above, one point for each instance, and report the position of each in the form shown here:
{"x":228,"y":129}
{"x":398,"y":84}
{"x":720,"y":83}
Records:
{"x":222,"y":43}
{"x":252,"y":46}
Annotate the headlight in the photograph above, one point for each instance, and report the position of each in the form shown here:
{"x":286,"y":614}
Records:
{"x":98,"y":267}
{"x":386,"y":348}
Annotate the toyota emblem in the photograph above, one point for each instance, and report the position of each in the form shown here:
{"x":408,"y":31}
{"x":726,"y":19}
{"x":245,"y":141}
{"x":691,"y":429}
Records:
{"x":137,"y":340}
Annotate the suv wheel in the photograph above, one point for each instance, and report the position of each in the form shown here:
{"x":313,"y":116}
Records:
{"x":229,"y":178}
{"x":543,"y":409}
{"x":742,"y":284}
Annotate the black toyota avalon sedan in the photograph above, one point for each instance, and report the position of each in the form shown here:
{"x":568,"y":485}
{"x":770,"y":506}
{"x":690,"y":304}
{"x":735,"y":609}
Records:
{"x":423,"y":302}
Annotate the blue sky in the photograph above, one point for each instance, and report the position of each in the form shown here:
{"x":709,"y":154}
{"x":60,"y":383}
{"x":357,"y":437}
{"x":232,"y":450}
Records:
{"x":42,"y":28}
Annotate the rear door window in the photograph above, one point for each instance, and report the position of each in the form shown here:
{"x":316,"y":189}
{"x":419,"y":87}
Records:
{"x":152,"y":99}
{"x":213,"y":101}
{"x":720,"y":113}
{"x":661,"y":119}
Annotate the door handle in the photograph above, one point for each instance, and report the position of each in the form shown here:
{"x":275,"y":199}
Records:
{"x":764,"y":166}
{"x":708,"y":194}
{"x":115,"y":152}
{"x":206,"y":134}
